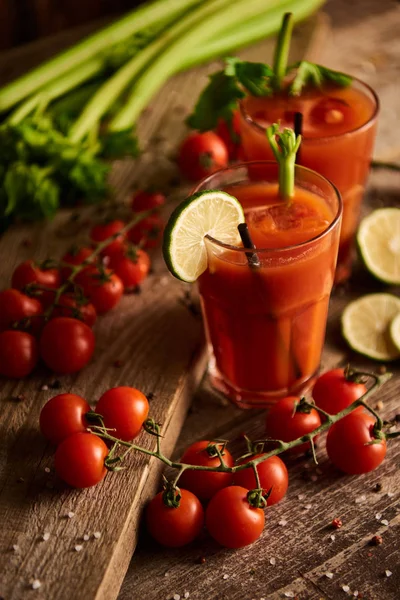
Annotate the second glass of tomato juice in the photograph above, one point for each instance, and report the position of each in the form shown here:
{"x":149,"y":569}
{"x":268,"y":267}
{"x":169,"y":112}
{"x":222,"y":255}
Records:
{"x":265,"y":311}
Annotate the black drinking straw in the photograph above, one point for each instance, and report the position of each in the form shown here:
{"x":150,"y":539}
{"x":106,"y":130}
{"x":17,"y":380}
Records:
{"x":252,"y":257}
{"x":298,"y":129}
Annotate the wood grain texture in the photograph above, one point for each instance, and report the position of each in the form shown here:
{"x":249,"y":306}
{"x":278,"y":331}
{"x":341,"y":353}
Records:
{"x":160,"y":345}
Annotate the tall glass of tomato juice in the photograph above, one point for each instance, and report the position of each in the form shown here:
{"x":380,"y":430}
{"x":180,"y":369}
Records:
{"x":339,"y":127}
{"x":265,"y":324}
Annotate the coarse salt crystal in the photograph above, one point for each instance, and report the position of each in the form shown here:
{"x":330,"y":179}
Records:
{"x":44,"y":388}
{"x":390,"y":494}
{"x":70,"y":514}
{"x":282,"y":523}
{"x":329,"y":575}
{"x":378,"y":516}
{"x":272,"y":561}
{"x":388,"y":573}
{"x":46,"y":536}
{"x":86,"y":537}
{"x":46,"y":470}
{"x":355,"y":593}
{"x":225,"y":576}
{"x":333,"y":537}
{"x":186,"y":595}
{"x":308,"y":506}
{"x":166,"y":574}
{"x":78,"y":547}
{"x":361,"y":499}
{"x":346,"y":588}
{"x":36,"y":584}
{"x":301,"y":496}
{"x":314,"y":478}
{"x":15,"y":547}
{"x":97,"y":535}
{"x":385,"y":522}
{"x":176,"y":597}
{"x":289,"y":594}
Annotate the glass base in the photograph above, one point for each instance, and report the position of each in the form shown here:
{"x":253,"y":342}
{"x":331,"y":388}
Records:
{"x":254,"y":399}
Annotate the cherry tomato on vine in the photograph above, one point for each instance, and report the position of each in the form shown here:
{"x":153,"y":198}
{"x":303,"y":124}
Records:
{"x":76,"y":308}
{"x":202,"y":154}
{"x":175,"y":527}
{"x":18,"y":353}
{"x":272,"y":473}
{"x":146,"y":199}
{"x":349,"y":446}
{"x":230,"y":135}
{"x":333,"y":391}
{"x":132,"y":267}
{"x":101,"y":232}
{"x":16,"y":306}
{"x":66,"y":345}
{"x":32,"y":272}
{"x":79,"y":460}
{"x":148,"y":232}
{"x":103,"y":288}
{"x":286,"y":423}
{"x":62,"y":416}
{"x":76,"y":256}
{"x":123,"y":409}
{"x":230,"y":519}
{"x":205,"y":484}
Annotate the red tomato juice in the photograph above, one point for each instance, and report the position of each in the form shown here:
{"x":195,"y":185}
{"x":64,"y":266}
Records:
{"x":266,"y":324}
{"x":339,"y":126}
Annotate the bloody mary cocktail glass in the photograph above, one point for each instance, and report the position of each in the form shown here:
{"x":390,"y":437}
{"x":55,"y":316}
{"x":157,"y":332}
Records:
{"x":265,"y":324}
{"x":339,"y":126}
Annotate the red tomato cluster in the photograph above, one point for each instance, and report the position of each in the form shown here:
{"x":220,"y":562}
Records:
{"x":201,"y":154}
{"x":80,"y":454}
{"x":33,"y":326}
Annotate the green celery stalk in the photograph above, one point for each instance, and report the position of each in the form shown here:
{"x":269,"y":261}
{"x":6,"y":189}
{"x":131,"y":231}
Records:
{"x":57,"y":88}
{"x":248,"y":32}
{"x":110,"y":91}
{"x":140,"y":18}
{"x":169,"y":61}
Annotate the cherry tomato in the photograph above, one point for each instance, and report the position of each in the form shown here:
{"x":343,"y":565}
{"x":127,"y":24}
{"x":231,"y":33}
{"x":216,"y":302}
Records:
{"x":18,"y":353}
{"x":31,"y":272}
{"x":230,"y":135}
{"x":145,"y":200}
{"x":286,"y":424}
{"x":76,"y":256}
{"x":230,"y":519}
{"x":103,"y":288}
{"x":101,"y":232}
{"x":202,"y":154}
{"x":16,"y":306}
{"x":62,"y":416}
{"x":272,"y":473}
{"x":123,"y":409}
{"x":66,"y":345}
{"x":132,"y":267}
{"x":348,"y":444}
{"x":79,"y":460}
{"x":148,"y":232}
{"x":175,"y":527}
{"x":204,"y":485}
{"x":76,"y":308}
{"x":333,"y":392}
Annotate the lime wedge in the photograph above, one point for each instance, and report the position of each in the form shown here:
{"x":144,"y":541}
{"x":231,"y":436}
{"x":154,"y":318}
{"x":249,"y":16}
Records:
{"x":365,"y":325}
{"x":209,"y":212}
{"x":394,"y":331}
{"x":378,"y":239}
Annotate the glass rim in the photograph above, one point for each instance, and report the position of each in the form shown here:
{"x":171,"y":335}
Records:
{"x":271,"y":251}
{"x":324,"y":138}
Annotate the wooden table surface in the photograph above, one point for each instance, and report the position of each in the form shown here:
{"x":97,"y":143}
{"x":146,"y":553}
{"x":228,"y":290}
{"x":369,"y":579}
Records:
{"x":297,"y":549}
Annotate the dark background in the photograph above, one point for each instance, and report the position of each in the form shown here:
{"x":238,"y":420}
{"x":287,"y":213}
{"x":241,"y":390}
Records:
{"x":22,"y":21}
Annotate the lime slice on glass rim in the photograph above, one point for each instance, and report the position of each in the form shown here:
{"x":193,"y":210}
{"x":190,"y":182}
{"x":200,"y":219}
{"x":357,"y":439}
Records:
{"x":366,"y":322}
{"x":394,"y":331}
{"x":210,"y":212}
{"x":378,"y":240}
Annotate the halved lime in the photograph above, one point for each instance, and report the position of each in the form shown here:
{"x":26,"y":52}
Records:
{"x":209,"y":212}
{"x":365,"y":325}
{"x":378,"y":239}
{"x":394,"y":331}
